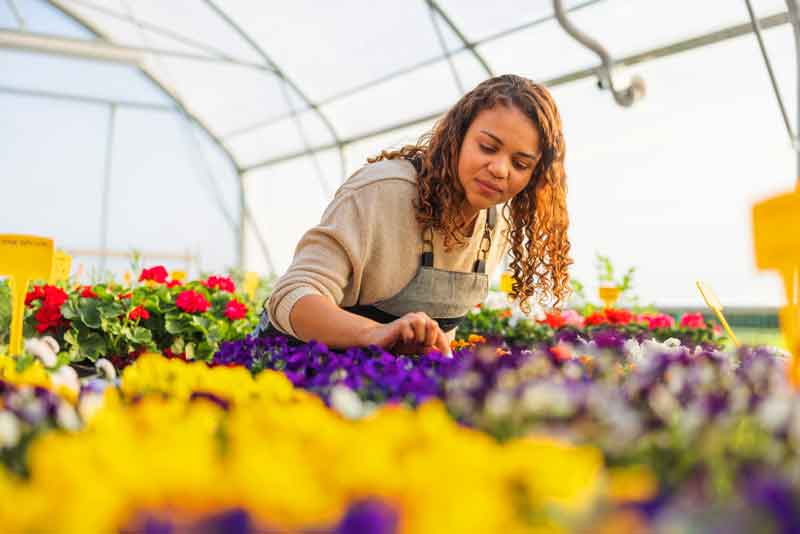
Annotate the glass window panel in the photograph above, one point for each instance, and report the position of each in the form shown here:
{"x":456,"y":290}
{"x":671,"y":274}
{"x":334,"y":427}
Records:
{"x":285,"y":200}
{"x":428,"y":90}
{"x":228,"y":97}
{"x":158,"y":200}
{"x":329,"y":47}
{"x":528,"y":53}
{"x":115,"y":21}
{"x":480,"y":20}
{"x":31,"y":70}
{"x":42,"y":17}
{"x":270,"y":141}
{"x":667,"y":185}
{"x":53,"y":159}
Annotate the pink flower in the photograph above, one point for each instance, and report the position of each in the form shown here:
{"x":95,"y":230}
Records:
{"x":235,"y":310}
{"x":139,"y":312}
{"x":156,"y":274}
{"x":693,"y":320}
{"x":223,"y":283}
{"x":572,"y":318}
{"x":657,"y":320}
{"x":192,"y":302}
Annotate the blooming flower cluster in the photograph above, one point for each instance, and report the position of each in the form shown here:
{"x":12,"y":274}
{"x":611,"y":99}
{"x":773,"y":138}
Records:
{"x":192,"y":302}
{"x":45,"y":302}
{"x":183,"y":444}
{"x":223,"y":283}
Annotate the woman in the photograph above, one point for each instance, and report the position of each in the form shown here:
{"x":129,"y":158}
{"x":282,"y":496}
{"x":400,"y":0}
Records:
{"x":405,"y":248}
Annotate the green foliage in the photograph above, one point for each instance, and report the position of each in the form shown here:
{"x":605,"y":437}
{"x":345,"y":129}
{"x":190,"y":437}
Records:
{"x":100,"y":323}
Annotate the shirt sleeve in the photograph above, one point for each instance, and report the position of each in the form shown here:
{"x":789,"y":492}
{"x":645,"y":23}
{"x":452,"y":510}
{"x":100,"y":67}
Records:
{"x":327,"y":259}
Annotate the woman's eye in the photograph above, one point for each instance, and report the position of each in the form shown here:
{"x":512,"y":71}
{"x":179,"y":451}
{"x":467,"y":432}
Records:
{"x":488,"y":149}
{"x":521,"y":165}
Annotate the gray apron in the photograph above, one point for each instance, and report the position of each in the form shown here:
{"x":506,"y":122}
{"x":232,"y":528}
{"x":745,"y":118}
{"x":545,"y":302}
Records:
{"x":446,"y":296}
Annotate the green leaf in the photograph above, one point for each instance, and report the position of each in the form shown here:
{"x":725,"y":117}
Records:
{"x":176,"y":324}
{"x":70,"y":310}
{"x":89,"y":313}
{"x":111,"y":310}
{"x":141,"y":336}
{"x":93,"y":346}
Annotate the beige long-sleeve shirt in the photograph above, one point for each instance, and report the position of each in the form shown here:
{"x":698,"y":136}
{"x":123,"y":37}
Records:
{"x":367,"y":246}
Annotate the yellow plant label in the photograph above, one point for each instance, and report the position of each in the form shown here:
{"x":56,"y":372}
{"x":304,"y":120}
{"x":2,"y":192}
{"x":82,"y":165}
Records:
{"x":23,"y":258}
{"x":776,"y":231}
{"x":506,"y":282}
{"x":62,"y":266}
{"x":177,"y":275}
{"x":250,"y":284}
{"x":609,"y":295}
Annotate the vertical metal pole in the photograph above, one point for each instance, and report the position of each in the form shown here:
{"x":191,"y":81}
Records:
{"x":795,"y":20}
{"x":104,"y":209}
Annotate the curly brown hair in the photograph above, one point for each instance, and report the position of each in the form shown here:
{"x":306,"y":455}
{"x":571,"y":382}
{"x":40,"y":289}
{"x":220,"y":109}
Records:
{"x":537,"y":215}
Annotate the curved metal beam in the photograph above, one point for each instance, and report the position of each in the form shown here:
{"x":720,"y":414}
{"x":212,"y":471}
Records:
{"x":443,"y":43}
{"x":467,"y":44}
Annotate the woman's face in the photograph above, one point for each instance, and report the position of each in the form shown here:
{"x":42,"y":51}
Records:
{"x":499,"y":152}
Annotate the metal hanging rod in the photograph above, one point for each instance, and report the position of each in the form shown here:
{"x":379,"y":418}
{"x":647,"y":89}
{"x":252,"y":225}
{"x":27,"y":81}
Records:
{"x":624,"y":97}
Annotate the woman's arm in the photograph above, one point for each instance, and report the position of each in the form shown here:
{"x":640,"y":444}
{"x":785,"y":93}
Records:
{"x":317,"y":317}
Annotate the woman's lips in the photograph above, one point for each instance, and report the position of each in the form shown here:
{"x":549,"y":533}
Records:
{"x":487,"y":188}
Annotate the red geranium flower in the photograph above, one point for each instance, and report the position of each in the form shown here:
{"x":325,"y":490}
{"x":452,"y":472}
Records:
{"x":596,"y":318}
{"x":618,"y":316}
{"x":36,"y":293}
{"x":49,"y":314}
{"x":127,"y":295}
{"x":139,"y":312}
{"x":173,"y":283}
{"x":223,"y":283}
{"x":192,"y":302}
{"x":88,"y":293}
{"x":157,"y":274}
{"x":693,"y":320}
{"x":554,"y":320}
{"x":235,"y":310}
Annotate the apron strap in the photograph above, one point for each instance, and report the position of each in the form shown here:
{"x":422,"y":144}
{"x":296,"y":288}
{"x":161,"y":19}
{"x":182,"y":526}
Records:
{"x":426,"y":259}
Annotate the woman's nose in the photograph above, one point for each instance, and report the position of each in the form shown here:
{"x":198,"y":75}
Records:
{"x":499,"y":168}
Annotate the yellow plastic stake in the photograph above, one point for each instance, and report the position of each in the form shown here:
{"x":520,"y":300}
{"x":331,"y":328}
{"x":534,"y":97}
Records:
{"x":609,"y":295}
{"x":62,"y":265}
{"x":179,"y":276}
{"x":776,"y":239}
{"x":716,"y":306}
{"x":506,"y":282}
{"x":250,"y":284}
{"x":23,"y":258}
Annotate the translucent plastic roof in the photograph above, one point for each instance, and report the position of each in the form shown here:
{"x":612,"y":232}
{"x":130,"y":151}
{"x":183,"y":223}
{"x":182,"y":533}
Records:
{"x":288,"y":98}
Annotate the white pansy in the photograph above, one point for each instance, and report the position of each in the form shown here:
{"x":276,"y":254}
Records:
{"x":633,"y":351}
{"x":67,"y":417}
{"x":546,"y":399}
{"x":774,"y":412}
{"x":105,"y":369}
{"x":10,"y":431}
{"x":89,"y":405}
{"x":345,"y":401}
{"x":498,"y":404}
{"x":42,"y":350}
{"x":67,"y":377}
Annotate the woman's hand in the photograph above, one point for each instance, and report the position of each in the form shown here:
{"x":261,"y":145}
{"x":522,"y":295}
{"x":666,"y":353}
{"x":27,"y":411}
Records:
{"x":413,"y":333}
